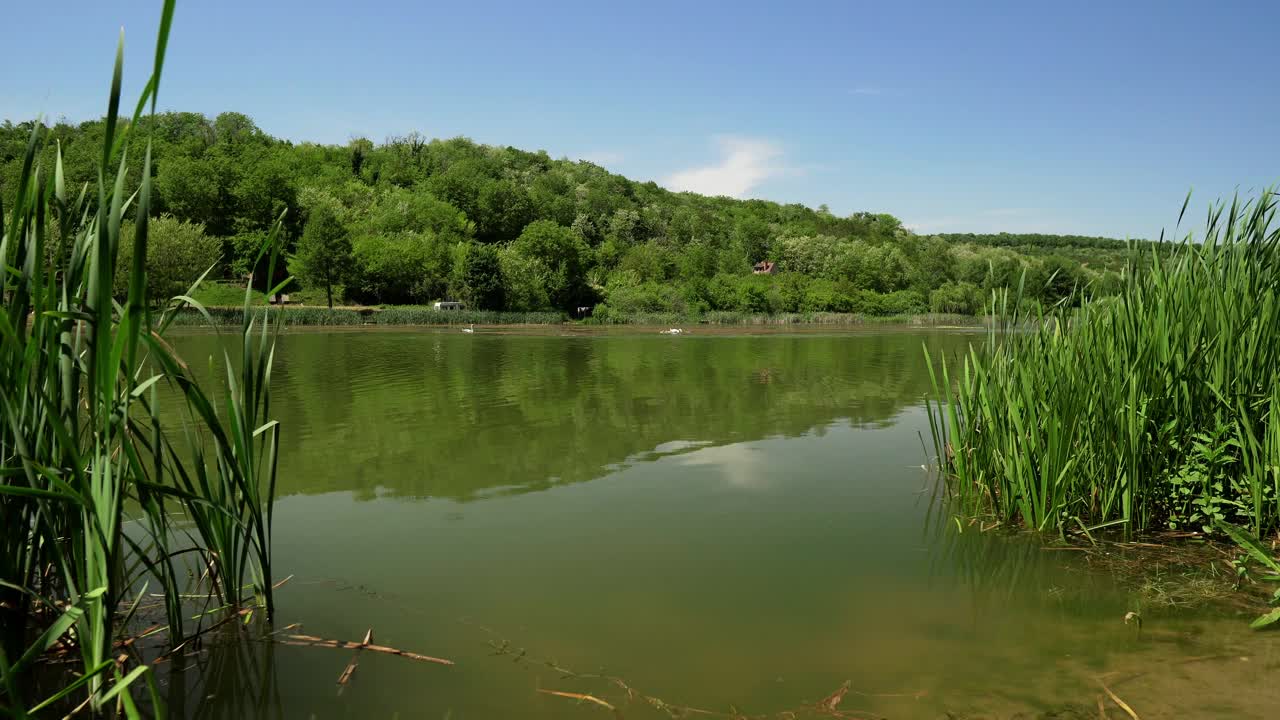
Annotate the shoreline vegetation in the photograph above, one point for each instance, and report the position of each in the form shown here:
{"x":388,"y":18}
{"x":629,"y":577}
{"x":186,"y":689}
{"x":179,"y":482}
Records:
{"x":425,"y":316}
{"x":413,"y":220}
{"x":113,"y":513}
{"x":1155,"y":410}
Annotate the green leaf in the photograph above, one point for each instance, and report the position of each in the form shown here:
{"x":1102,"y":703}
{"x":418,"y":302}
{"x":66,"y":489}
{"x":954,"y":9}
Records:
{"x":1266,"y":620}
{"x":49,"y":637}
{"x":1249,"y":544}
{"x":123,"y":683}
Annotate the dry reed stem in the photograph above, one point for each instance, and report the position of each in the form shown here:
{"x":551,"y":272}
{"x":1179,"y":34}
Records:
{"x":238,"y":614}
{"x":827,"y":707}
{"x":581,"y":697}
{"x":351,"y":666}
{"x":313,"y":641}
{"x":1116,"y":698}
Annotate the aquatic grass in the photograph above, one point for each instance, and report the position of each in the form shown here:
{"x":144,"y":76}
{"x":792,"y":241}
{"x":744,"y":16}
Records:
{"x":1154,"y":409}
{"x":92,"y":473}
{"x":309,"y":316}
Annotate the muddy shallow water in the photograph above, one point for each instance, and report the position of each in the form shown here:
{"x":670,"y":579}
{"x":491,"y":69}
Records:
{"x":720,"y":521}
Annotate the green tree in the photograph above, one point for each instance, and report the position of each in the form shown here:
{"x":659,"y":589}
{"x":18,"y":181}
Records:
{"x":413,"y":206}
{"x":193,"y":189}
{"x":482,"y":278}
{"x":399,"y":268}
{"x":324,"y":252}
{"x":963,"y":298}
{"x":557,"y":257}
{"x":178,"y":252}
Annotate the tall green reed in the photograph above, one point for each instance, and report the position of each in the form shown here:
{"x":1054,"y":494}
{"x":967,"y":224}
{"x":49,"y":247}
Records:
{"x":1154,"y":409}
{"x":94,"y":478}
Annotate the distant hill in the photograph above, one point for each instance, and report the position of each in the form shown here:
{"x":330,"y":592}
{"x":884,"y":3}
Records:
{"x":1039,"y":240}
{"x":412,"y":219}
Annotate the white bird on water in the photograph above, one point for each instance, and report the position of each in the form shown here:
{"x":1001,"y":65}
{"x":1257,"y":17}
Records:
{"x":672,"y":331}
{"x":470,"y":329}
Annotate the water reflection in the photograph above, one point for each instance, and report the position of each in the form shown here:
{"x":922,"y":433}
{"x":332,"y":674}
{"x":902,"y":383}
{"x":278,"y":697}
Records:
{"x":751,"y":535}
{"x":230,"y":674}
{"x":425,"y":414}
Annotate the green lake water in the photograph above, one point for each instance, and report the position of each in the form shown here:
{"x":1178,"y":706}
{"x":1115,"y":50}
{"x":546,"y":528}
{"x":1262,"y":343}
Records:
{"x":722,"y":521}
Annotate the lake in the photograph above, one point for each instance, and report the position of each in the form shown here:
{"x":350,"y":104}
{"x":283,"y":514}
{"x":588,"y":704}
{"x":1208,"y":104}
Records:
{"x":721,"y":521}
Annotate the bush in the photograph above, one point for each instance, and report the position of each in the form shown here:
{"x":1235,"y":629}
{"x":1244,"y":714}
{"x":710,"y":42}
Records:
{"x":177,"y":253}
{"x":402,"y":267}
{"x":962,"y":298}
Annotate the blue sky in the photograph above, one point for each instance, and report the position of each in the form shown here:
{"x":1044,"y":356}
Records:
{"x":1024,"y":116}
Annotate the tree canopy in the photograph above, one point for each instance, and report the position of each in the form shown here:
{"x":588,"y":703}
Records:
{"x":413,"y":219}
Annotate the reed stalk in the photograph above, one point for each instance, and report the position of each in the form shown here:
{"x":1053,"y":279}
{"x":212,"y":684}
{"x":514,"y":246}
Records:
{"x":1159,"y":408}
{"x":94,"y":477}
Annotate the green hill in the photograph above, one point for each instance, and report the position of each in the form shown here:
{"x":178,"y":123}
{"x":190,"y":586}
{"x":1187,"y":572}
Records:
{"x":412,"y":220}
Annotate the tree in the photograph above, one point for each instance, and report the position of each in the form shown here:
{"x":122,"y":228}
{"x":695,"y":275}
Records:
{"x":323,"y":256}
{"x":963,"y":298}
{"x":502,"y":211}
{"x":177,"y":253}
{"x":567,"y":233}
{"x":482,"y":278}
{"x":401,"y":268}
{"x":361,"y":148}
{"x":193,"y":189}
{"x":562,"y":256}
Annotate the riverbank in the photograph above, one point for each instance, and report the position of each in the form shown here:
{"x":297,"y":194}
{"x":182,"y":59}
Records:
{"x":359,"y":315}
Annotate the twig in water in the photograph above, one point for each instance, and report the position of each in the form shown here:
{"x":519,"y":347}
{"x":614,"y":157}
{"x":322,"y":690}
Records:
{"x":581,"y":697}
{"x":832,"y":701}
{"x":1116,"y":698}
{"x":313,"y":641}
{"x":351,"y":666}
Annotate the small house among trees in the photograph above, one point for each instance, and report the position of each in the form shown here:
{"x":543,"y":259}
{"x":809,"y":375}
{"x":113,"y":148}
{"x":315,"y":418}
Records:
{"x":764,"y":267}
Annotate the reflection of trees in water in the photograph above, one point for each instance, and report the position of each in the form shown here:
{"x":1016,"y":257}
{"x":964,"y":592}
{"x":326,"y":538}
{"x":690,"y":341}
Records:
{"x":432,"y":414}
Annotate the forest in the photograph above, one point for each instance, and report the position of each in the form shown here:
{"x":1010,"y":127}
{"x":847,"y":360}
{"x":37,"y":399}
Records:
{"x":411,"y":220}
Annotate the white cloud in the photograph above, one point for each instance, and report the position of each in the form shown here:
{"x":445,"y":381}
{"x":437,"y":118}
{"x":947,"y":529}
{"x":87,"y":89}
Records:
{"x":744,"y":164}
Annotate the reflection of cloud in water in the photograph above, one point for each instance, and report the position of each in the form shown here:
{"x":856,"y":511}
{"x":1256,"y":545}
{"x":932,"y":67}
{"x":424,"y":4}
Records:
{"x":676,"y":447}
{"x":743,"y":465}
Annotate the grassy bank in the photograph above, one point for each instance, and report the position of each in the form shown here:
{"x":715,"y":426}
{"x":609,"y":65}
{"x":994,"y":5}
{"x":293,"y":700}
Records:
{"x":1158,"y":409}
{"x":348,"y":316}
{"x":426,"y":316}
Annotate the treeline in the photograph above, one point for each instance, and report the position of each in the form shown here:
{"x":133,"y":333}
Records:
{"x":413,"y":220}
{"x":1039,"y":240}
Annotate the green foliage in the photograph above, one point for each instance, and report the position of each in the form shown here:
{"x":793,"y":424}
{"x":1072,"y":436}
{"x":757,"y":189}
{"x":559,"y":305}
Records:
{"x":177,"y":253}
{"x":963,"y":298}
{"x":103,"y":496}
{"x":1257,"y":552}
{"x":1152,"y":409}
{"x":552,"y":261}
{"x":1203,"y":490}
{"x":324,"y":254}
{"x":482,"y":278}
{"x":429,"y":199}
{"x":403,"y":267}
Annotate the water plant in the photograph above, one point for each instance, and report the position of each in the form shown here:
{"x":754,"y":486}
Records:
{"x":1158,"y":408}
{"x":102,"y":495}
